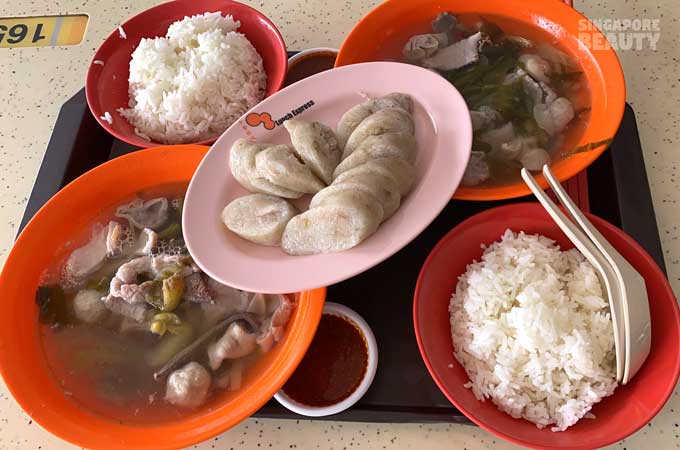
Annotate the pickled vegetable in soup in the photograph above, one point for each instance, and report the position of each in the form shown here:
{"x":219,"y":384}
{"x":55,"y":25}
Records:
{"x":529,"y":101}
{"x":132,"y":329}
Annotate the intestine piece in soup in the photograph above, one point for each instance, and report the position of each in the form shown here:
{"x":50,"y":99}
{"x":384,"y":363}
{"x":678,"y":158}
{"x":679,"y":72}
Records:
{"x":484,"y":117}
{"x":227,"y":301}
{"x":139,"y":312}
{"x":534,"y":158}
{"x":554,"y":117}
{"x":85,"y":260}
{"x":196,"y":289}
{"x":236,"y":342}
{"x":273,"y":329}
{"x":537,"y":67}
{"x":125,"y":284}
{"x":121,"y":241}
{"x":145,"y":214}
{"x":499,"y":136}
{"x":423,"y":46}
{"x":457,"y":55}
{"x":477,"y":170}
{"x":258,"y":305}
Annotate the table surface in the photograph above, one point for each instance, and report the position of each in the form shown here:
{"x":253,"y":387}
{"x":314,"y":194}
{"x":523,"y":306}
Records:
{"x":36,"y":81}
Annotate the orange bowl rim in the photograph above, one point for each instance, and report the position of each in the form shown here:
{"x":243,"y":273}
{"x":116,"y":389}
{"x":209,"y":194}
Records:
{"x":310,"y":304}
{"x":613,"y":85}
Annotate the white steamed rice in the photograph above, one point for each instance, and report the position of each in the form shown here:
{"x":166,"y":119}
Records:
{"x":531,"y":328}
{"x":192,"y":84}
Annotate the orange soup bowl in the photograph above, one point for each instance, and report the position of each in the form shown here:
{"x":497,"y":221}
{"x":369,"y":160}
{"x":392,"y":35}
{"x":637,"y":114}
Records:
{"x":382,"y":33}
{"x":23,"y":366}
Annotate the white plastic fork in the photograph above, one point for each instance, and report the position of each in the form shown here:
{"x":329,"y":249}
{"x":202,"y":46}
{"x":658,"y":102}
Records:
{"x":634,"y":301}
{"x":594,"y":256}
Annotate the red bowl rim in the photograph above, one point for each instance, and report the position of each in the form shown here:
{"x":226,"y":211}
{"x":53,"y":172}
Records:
{"x":277,"y":84}
{"x":622,"y":434}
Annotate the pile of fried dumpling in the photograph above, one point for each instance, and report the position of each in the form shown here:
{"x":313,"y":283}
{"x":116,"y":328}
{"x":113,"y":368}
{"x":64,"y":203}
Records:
{"x":357,"y":176}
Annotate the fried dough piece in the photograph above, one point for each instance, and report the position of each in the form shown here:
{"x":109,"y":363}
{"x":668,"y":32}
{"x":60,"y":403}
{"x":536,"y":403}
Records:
{"x":399,"y":145}
{"x":316,"y":145}
{"x":399,"y":170}
{"x":355,"y":115}
{"x":384,"y":121}
{"x":259,"y":218}
{"x":279,"y":165}
{"x":346,"y":195}
{"x":328,"y":229}
{"x":242,"y":162}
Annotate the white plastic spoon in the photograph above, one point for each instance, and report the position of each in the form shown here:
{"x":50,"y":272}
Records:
{"x":594,"y":256}
{"x":634,"y":301}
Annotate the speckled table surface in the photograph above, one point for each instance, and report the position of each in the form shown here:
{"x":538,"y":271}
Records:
{"x":34,"y":82}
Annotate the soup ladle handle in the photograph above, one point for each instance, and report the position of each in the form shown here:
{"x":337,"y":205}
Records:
{"x":181,"y":357}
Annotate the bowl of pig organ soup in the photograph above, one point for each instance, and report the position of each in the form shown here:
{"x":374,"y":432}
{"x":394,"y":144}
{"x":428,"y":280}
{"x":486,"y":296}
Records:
{"x":123,"y":332}
{"x":131,"y":311}
{"x":536,"y":94}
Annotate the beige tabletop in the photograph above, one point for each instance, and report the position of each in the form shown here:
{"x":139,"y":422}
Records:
{"x":34,"y":82}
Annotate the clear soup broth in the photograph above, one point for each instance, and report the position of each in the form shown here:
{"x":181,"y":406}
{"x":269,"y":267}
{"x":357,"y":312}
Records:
{"x":506,"y":49}
{"x":132,"y":330}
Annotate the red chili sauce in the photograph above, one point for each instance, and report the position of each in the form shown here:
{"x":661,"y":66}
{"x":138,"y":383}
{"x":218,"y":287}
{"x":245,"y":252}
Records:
{"x":334,"y":365}
{"x":308,"y":65}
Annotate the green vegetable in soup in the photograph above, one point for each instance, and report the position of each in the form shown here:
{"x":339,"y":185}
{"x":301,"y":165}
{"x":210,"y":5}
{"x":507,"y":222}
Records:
{"x":587,"y":147}
{"x":52,"y":306}
{"x":480,"y":146}
{"x":165,"y":322}
{"x":97,"y":356}
{"x":173,"y":288}
{"x":154,"y":296}
{"x":528,"y":127}
{"x":171,"y":343}
{"x":174,"y":230}
{"x":100,"y":284}
{"x":564,"y":80}
{"x":180,"y":206}
{"x":172,"y":269}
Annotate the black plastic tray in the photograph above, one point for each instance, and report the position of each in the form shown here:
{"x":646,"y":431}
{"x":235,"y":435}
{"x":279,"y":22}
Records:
{"x":403,"y":390}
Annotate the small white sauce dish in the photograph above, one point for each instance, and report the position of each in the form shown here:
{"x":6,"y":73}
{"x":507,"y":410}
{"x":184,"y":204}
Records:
{"x":372,"y":366}
{"x":310,"y":51}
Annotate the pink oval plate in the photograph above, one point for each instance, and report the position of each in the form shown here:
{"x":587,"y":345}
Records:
{"x":444,"y":136}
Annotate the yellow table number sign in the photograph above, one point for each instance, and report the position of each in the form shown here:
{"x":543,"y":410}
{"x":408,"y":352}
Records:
{"x":46,"y":31}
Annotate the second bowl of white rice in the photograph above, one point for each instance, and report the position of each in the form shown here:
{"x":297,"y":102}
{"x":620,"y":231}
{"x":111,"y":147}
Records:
{"x":514,"y":328}
{"x":532,"y":328}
